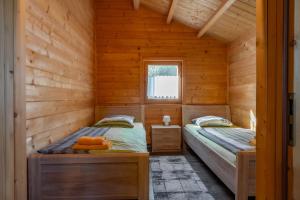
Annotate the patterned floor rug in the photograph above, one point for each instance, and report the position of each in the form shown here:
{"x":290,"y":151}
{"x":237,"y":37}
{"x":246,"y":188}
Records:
{"x":173,"y":178}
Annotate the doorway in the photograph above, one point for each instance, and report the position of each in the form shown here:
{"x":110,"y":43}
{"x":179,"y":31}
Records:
{"x":268,"y":148}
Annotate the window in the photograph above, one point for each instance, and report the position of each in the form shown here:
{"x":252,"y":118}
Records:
{"x":163,"y":81}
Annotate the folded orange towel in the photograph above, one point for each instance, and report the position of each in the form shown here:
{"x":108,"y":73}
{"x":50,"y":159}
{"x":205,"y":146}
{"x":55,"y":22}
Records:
{"x":86,"y":140}
{"x":253,"y":142}
{"x":104,"y":146}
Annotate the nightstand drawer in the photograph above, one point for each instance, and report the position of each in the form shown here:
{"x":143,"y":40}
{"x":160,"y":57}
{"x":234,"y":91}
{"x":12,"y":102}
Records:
{"x":166,"y":131}
{"x":166,"y":138}
{"x":166,"y":147}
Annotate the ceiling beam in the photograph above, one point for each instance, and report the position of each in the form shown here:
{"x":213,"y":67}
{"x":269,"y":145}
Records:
{"x":136,"y":4}
{"x":221,"y":10}
{"x":171,"y":11}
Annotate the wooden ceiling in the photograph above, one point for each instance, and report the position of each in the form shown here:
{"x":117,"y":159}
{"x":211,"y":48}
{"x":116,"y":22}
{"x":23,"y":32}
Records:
{"x":223,"y":19}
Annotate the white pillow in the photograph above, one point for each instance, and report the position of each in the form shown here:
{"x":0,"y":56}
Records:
{"x":213,"y":121}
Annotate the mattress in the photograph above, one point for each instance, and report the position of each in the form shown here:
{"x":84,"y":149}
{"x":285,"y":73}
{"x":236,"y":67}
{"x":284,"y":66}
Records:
{"x":123,"y":140}
{"x":191,"y":130}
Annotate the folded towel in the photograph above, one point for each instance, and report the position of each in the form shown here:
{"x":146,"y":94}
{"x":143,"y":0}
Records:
{"x":104,"y":146}
{"x":253,"y":142}
{"x":87,"y":140}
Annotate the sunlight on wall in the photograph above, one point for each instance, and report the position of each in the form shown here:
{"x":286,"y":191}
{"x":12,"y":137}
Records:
{"x":252,"y":120}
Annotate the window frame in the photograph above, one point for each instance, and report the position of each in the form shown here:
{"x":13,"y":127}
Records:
{"x":163,"y":62}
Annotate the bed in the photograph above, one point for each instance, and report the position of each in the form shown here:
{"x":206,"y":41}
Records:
{"x":237,"y":171}
{"x":110,"y":174}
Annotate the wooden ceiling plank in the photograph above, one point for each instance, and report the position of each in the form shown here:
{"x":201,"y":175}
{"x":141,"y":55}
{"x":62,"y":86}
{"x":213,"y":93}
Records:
{"x":238,"y":19}
{"x":136,"y":4}
{"x":172,"y":11}
{"x":222,"y":9}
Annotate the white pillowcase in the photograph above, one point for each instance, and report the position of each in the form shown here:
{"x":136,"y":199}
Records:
{"x":212,"y":121}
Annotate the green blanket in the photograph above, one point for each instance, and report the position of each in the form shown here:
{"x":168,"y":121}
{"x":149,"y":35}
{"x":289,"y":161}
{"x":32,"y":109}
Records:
{"x":126,"y":139}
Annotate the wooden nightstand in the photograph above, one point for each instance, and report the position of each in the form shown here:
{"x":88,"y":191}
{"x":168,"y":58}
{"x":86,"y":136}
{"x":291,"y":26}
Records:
{"x":166,"y":138}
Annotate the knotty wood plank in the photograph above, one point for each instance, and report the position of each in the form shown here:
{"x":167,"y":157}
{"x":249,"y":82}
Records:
{"x":242,"y":78}
{"x":59,"y":69}
{"x":269,"y":99}
{"x":172,"y":11}
{"x":20,"y":103}
{"x":7,"y":137}
{"x":136,"y":4}
{"x":124,"y":39}
{"x":222,"y":9}
{"x":2,"y":108}
{"x":155,"y":112}
{"x":237,"y":20}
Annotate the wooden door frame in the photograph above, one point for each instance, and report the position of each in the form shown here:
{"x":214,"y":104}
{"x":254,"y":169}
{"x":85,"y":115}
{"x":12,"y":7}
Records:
{"x":6,"y":101}
{"x":19,"y":102}
{"x":271,"y":100}
{"x":293,"y":47}
{"x":13,"y":135}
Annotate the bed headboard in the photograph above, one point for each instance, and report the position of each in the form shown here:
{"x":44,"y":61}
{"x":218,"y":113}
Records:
{"x":190,"y":112}
{"x":134,"y":110}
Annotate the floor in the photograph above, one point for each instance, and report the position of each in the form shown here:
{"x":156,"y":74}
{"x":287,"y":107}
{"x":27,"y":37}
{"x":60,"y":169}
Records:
{"x":215,"y":187}
{"x":173,"y":178}
{"x":213,"y":184}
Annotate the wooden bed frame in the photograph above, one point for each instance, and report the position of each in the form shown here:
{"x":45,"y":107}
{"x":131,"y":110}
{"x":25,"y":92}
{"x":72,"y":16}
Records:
{"x":239,"y":178}
{"x":89,"y":177}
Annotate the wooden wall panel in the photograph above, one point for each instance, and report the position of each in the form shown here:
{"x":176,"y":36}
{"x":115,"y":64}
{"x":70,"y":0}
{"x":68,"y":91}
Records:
{"x":155,"y":112}
{"x":137,"y":111}
{"x":242,"y":78}
{"x":59,"y":69}
{"x":124,"y":37}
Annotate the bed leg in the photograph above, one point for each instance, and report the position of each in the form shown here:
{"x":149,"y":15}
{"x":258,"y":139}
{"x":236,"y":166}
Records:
{"x":34,"y":179}
{"x":245,"y":177}
{"x":143,"y":180}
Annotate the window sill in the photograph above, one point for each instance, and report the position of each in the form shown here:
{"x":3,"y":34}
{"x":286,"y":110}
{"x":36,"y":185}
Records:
{"x":163,"y":101}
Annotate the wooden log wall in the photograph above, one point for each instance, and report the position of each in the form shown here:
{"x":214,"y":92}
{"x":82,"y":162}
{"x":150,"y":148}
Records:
{"x":59,"y":69}
{"x":242,"y":78}
{"x":124,"y":37}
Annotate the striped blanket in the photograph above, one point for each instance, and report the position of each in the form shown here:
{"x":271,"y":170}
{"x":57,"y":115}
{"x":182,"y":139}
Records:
{"x":232,"y":139}
{"x":64,"y":146}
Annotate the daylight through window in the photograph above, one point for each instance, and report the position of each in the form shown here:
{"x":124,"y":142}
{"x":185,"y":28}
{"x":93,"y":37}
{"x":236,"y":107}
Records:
{"x":163,"y":82}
